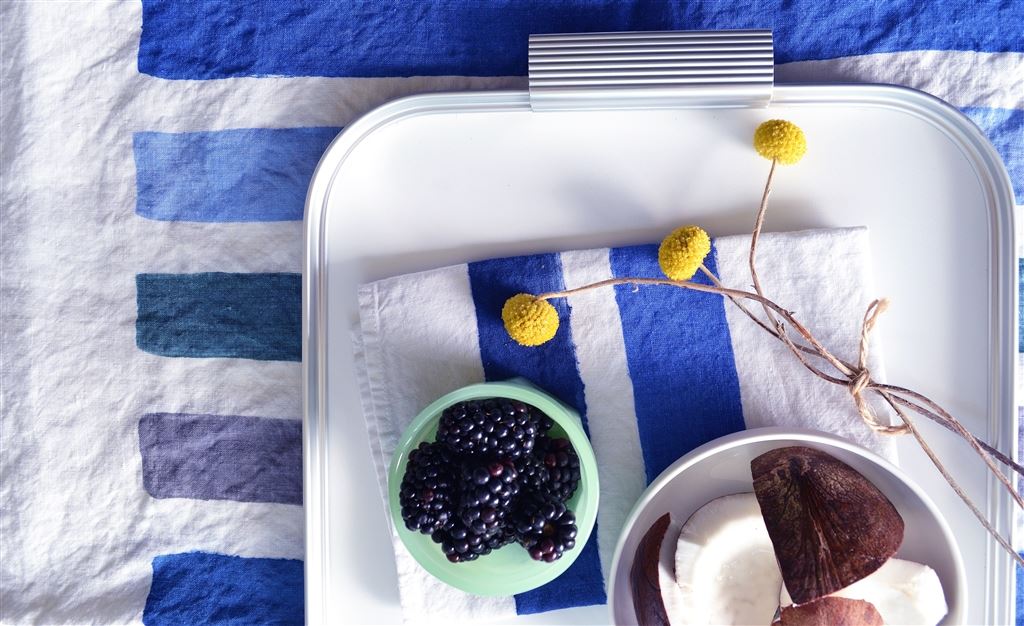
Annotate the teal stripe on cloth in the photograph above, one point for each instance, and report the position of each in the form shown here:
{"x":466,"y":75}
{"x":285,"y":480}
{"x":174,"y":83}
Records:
{"x":217,"y":314}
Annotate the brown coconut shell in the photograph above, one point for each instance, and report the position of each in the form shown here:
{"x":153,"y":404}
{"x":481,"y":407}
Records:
{"x":830,"y":611}
{"x":828,"y":524}
{"x":643,"y":577}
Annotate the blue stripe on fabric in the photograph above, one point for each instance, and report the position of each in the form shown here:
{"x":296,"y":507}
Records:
{"x":1020,"y":310}
{"x":204,"y":40}
{"x":552,"y":367}
{"x":1020,"y":593}
{"x":221,"y":457}
{"x":206,"y":588}
{"x":239,"y":175}
{"x":216,"y":314}
{"x":679,"y":353}
{"x":1005,"y":129}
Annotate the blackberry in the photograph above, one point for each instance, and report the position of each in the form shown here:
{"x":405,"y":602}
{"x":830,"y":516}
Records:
{"x":460,"y":543}
{"x":502,"y":538}
{"x":545,"y":528}
{"x":539,"y":418}
{"x":533,"y":474}
{"x":492,"y":427}
{"x":563,"y":467}
{"x":429,"y":492}
{"x":489,"y":491}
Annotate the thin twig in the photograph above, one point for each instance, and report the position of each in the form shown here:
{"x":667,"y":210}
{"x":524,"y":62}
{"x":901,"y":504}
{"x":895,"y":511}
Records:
{"x":756,"y":235}
{"x":788,"y":317}
{"x":956,"y":487}
{"x":751,"y":260}
{"x":958,"y":428}
{"x":777,"y":333}
{"x":881,"y":390}
{"x":941,"y":421}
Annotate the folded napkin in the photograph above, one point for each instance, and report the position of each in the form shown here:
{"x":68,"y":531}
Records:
{"x":655,"y":371}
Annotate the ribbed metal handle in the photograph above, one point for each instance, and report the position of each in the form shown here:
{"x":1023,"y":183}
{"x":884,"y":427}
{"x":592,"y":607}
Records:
{"x":730,"y":68}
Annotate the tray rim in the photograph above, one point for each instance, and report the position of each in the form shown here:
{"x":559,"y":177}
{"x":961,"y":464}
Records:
{"x":1002,"y":293}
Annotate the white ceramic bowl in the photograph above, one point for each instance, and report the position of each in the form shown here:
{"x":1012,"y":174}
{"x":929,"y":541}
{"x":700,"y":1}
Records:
{"x":722,"y":467}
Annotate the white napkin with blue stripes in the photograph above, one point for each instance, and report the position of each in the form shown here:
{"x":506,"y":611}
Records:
{"x":655,"y":371}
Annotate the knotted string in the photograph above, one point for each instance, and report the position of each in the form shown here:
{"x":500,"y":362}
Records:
{"x":860,"y":378}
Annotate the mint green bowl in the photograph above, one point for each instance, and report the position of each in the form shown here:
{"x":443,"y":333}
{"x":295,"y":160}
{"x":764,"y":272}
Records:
{"x":508,"y":570}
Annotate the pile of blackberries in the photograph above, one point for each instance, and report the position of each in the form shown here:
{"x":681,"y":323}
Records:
{"x":493,"y":476}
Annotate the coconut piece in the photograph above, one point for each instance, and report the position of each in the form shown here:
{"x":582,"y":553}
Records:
{"x":644,"y":579}
{"x":671,"y":595}
{"x":725,"y":566}
{"x":903,"y":592}
{"x":829,"y":525}
{"x":830,"y":611}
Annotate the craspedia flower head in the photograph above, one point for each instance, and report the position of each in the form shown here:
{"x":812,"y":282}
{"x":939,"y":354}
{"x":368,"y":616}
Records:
{"x":682,"y":252}
{"x":781,"y":141}
{"x":529,"y":320}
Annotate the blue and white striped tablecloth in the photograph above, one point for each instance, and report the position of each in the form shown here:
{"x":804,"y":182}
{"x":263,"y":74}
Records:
{"x":155,"y":156}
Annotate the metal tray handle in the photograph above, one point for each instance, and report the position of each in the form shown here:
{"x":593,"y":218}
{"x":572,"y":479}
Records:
{"x":674,"y":69}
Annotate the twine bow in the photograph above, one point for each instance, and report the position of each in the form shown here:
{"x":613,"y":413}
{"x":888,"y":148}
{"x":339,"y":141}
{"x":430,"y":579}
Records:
{"x":860,"y":378}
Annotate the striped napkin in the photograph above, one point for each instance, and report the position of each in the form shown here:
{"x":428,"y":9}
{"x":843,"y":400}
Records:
{"x":654,"y":371}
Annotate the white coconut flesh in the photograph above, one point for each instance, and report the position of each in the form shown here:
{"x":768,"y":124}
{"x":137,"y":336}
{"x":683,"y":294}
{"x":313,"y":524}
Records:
{"x":904,"y":593}
{"x":725,"y":566}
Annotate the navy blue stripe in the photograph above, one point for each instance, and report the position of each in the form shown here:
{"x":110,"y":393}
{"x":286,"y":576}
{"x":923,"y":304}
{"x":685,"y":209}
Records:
{"x":221,"y":457}
{"x":248,"y":316}
{"x":552,"y":367}
{"x":239,"y":175}
{"x":201,"y":40}
{"x":205,"y":588}
{"x":1005,"y":129}
{"x":680,"y":359}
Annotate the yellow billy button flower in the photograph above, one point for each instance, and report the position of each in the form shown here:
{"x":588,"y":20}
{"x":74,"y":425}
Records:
{"x":682,"y":252}
{"x":529,"y":320}
{"x":780,"y":141}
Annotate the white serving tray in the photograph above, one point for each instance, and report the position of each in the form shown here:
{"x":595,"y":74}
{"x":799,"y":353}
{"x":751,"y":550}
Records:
{"x":441,"y":179}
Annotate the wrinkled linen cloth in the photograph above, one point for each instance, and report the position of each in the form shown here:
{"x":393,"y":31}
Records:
{"x":654,"y":371}
{"x":154,"y":157}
